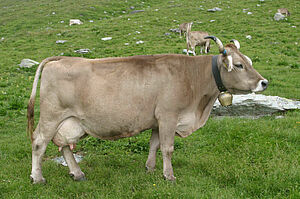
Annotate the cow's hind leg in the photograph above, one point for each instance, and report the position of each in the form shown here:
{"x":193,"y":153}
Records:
{"x":39,"y":145}
{"x":154,"y":146}
{"x":68,"y":135}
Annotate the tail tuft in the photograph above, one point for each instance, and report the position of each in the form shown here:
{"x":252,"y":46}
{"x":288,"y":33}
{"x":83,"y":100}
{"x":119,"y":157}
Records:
{"x":30,"y":118}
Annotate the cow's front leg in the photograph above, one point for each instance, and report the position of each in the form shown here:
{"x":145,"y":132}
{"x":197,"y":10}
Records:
{"x":166,"y":138}
{"x":154,"y":146}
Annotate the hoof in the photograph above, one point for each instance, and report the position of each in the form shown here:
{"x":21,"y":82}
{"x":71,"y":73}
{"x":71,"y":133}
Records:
{"x":80,"y":177}
{"x":150,"y":169}
{"x":37,"y":181}
{"x":170,"y":178}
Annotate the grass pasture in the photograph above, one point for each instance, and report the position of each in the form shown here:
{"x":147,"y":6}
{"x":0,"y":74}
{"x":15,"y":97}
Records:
{"x":227,"y":158}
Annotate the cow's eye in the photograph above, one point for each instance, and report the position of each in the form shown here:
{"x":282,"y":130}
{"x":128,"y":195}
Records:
{"x":240,"y":66}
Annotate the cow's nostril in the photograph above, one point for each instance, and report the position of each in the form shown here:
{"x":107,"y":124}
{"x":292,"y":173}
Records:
{"x":264,"y":83}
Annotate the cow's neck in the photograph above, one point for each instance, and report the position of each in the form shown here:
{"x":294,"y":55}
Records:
{"x":203,"y":78}
{"x":207,"y":91}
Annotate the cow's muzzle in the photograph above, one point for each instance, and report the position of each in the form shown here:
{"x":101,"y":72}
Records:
{"x":261,"y":85}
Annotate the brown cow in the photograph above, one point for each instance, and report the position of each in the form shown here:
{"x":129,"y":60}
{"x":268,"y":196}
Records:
{"x":114,"y":98}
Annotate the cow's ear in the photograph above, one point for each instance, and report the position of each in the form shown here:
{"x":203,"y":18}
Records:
{"x":227,"y":62}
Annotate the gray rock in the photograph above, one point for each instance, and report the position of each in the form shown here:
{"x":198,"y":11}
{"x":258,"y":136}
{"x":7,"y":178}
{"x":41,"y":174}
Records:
{"x":278,"y":16}
{"x":254,"y":105}
{"x":139,"y":42}
{"x":106,"y":38}
{"x":75,"y":22}
{"x":61,"y":160}
{"x":61,"y":41}
{"x":215,"y":9}
{"x":176,"y":30}
{"x":27,"y":63}
{"x":137,"y":11}
{"x":82,"y":51}
{"x":185,"y":50}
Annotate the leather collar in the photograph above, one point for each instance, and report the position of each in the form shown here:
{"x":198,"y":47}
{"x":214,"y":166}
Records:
{"x":217,"y":75}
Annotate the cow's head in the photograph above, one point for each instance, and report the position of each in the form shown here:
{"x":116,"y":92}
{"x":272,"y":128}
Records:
{"x":236,"y":70}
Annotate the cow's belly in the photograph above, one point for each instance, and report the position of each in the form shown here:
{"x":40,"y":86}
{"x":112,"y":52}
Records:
{"x":114,"y":122}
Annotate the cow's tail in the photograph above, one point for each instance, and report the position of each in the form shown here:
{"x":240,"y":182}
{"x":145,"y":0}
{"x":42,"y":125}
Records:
{"x":30,"y":106}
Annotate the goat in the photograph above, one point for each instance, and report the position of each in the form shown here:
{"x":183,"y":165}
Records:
{"x":196,"y":38}
{"x":183,"y":28}
{"x":284,"y":11}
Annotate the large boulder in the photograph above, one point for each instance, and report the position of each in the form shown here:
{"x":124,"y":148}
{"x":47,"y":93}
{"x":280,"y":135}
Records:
{"x":254,"y":105}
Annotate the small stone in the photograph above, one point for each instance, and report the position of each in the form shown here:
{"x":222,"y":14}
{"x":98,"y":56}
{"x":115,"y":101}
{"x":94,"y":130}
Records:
{"x":61,"y":160}
{"x":27,"y":63}
{"x":126,"y":44}
{"x":167,"y":34}
{"x":75,"y":22}
{"x":140,"y":42}
{"x":106,"y":38}
{"x":185,"y":50}
{"x":137,"y":11}
{"x":249,"y":13}
{"x":176,"y":30}
{"x":278,"y":16}
{"x":82,"y":51}
{"x":248,"y":37}
{"x":61,"y":41}
{"x":215,"y":9}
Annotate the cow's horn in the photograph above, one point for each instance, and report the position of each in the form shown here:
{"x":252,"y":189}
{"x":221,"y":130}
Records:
{"x":218,"y":41}
{"x":236,"y":43}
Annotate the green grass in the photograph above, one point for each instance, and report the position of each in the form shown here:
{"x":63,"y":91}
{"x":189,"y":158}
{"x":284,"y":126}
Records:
{"x":227,"y":158}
